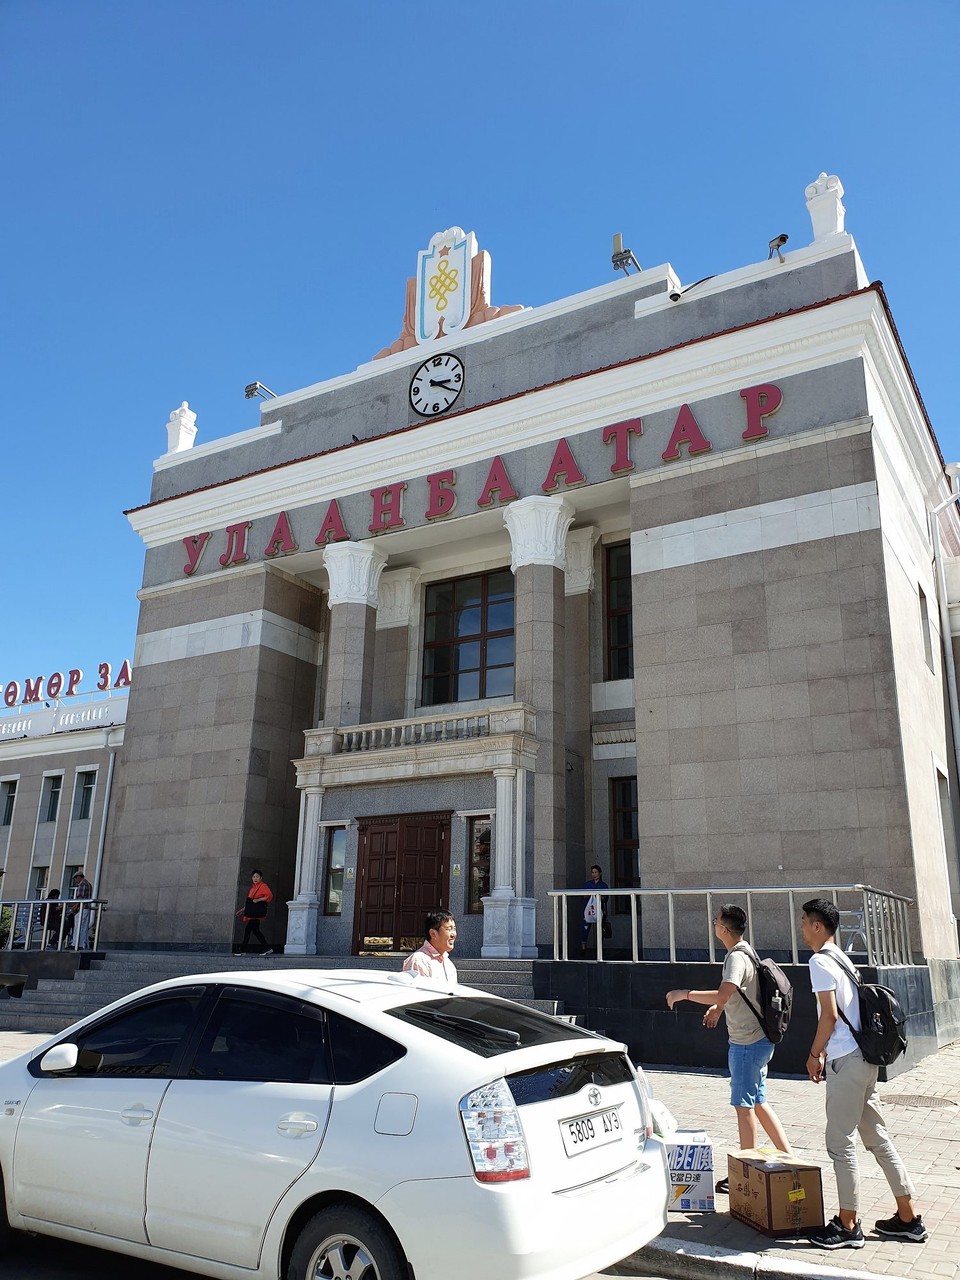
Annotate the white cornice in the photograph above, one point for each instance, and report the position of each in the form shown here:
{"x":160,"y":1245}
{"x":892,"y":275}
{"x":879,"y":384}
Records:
{"x":218,"y":446}
{"x":780,"y":347}
{"x":810,"y":253}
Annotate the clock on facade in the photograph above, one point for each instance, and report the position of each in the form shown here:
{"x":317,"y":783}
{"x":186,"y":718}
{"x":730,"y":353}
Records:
{"x":436,"y":384}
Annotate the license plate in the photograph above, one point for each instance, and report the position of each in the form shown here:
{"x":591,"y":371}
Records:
{"x":583,"y":1133}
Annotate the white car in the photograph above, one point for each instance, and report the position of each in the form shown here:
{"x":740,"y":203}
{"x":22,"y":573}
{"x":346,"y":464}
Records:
{"x":311,"y":1124}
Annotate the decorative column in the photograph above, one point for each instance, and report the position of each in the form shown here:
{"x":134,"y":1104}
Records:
{"x":396,"y":610}
{"x":303,"y":913}
{"x":354,"y":570}
{"x":538,"y":532}
{"x":578,"y":586}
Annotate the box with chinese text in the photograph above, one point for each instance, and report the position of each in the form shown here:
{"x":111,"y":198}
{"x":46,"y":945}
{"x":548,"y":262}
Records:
{"x":690,"y":1159}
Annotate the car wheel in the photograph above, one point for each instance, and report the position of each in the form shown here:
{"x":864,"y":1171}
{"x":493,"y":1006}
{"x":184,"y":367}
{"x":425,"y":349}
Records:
{"x":346,"y":1241}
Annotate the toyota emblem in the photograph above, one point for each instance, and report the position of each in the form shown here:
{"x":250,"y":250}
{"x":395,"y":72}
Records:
{"x":594,"y":1096}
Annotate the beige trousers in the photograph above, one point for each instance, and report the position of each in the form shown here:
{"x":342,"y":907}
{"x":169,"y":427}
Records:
{"x":853,"y":1106}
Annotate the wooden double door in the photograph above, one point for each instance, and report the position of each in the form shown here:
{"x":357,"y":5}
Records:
{"x":402,"y":873}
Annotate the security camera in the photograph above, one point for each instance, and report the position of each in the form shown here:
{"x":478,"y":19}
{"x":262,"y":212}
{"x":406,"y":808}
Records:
{"x":776,"y":244}
{"x":674,"y":295}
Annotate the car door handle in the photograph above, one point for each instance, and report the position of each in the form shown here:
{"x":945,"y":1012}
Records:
{"x":296,"y":1126}
{"x":137,"y":1114}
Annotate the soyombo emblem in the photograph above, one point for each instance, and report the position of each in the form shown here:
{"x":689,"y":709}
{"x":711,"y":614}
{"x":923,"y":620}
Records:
{"x":443,"y":283}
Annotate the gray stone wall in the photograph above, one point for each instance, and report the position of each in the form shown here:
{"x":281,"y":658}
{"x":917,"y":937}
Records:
{"x":768,"y":740}
{"x":204,"y":788}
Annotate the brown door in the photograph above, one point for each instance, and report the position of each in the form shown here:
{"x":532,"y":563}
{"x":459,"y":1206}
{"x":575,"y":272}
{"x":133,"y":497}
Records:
{"x":401,"y":875}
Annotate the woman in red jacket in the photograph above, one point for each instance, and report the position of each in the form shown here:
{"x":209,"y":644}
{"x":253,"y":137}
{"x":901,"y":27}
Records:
{"x":253,"y":911}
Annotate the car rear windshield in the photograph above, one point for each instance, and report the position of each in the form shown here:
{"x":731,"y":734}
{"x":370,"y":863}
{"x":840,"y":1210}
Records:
{"x":564,"y":1079}
{"x":487,"y":1027}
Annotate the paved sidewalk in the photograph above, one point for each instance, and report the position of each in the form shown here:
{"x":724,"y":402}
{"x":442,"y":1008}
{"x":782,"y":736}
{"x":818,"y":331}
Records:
{"x":922,"y":1109}
{"x":923,"y":1114}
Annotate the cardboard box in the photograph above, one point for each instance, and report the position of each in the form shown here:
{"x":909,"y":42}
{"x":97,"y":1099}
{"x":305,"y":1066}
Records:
{"x":775,"y":1194}
{"x":690,"y":1159}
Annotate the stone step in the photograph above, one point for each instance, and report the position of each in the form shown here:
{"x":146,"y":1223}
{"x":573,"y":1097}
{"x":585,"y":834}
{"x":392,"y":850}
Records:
{"x":57,"y":1002}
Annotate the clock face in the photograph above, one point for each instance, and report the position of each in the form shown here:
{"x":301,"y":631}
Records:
{"x":436,"y":384}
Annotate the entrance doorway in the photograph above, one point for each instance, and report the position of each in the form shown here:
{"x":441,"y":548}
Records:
{"x":401,"y":875}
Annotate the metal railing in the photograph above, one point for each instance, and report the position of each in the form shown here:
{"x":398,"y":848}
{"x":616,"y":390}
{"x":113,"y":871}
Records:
{"x":879,"y":917}
{"x":50,"y":924}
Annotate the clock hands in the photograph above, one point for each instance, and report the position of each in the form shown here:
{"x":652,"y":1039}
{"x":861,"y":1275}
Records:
{"x":445,"y":383}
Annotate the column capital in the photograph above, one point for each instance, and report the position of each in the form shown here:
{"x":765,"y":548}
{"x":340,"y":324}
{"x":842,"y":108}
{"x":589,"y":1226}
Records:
{"x":579,"y":576}
{"x":354,"y":570}
{"x":538,"y":531}
{"x":397,"y":598}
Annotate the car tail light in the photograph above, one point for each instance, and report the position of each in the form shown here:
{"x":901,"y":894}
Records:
{"x":491,"y":1122}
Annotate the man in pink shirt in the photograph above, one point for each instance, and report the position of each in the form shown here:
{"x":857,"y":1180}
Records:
{"x":433,"y":959}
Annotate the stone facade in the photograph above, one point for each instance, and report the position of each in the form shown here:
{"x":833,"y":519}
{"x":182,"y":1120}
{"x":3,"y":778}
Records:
{"x":757,"y":444}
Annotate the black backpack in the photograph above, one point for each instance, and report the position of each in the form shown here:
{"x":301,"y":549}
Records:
{"x":880,"y":1038}
{"x":775,"y":992}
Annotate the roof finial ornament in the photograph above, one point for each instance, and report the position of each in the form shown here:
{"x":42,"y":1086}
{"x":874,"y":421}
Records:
{"x":181,"y":429}
{"x":825,"y":206}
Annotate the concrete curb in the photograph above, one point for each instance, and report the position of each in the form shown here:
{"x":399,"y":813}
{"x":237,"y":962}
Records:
{"x":667,"y":1256}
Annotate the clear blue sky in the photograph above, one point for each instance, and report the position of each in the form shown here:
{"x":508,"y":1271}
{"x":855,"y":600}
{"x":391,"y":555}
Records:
{"x":198,"y":193}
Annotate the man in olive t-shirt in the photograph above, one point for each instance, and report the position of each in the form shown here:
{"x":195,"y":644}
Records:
{"x":750,"y":1051}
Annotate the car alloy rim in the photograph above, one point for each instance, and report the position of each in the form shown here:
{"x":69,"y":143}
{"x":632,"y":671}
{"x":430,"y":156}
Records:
{"x":342,"y":1257}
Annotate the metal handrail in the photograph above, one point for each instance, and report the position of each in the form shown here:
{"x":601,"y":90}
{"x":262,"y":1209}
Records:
{"x":884,"y":920}
{"x":28,"y":923}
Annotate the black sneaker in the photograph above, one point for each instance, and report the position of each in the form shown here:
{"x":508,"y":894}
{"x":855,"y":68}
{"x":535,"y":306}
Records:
{"x":835,"y":1236}
{"x":238,"y":953}
{"x":723,"y":1187}
{"x":896,"y":1229}
{"x":268,"y":952}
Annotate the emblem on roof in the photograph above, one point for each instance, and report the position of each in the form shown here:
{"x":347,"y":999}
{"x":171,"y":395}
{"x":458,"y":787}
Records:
{"x":450,"y":292}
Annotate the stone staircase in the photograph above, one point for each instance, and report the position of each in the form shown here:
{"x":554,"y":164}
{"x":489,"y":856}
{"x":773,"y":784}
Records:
{"x":57,"y":1002}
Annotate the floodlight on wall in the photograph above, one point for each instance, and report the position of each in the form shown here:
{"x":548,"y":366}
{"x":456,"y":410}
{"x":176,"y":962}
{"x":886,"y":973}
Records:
{"x":775,"y":245}
{"x":258,"y":389}
{"x":623,"y":259}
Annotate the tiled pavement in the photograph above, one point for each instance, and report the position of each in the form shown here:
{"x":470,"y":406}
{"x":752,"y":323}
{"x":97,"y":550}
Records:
{"x":922,"y":1109}
{"x":923,"y":1115}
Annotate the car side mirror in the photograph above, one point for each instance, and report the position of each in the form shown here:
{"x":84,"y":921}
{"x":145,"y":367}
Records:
{"x":62,"y":1057}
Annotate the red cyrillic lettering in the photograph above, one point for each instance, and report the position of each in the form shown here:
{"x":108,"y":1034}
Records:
{"x":74,"y":677}
{"x":282,"y":541}
{"x":195,"y":545}
{"x":33,"y":690}
{"x":236,"y":552}
{"x":103,"y":671}
{"x":386,"y":507}
{"x":332,"y":526}
{"x":124,"y":676}
{"x":686,"y":431}
{"x":758,"y":399}
{"x":54,"y":684}
{"x":443,"y":499}
{"x":563,"y":465}
{"x":498,"y":482}
{"x":620,"y":433}
{"x":11,"y":694}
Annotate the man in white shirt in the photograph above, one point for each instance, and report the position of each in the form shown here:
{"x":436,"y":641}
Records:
{"x":433,"y":958}
{"x":852,"y":1101}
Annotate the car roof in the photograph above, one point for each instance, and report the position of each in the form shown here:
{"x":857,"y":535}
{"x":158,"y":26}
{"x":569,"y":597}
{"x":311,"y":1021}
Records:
{"x":372,"y":989}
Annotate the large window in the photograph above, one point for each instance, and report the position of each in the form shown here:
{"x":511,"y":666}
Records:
{"x":336,"y":842}
{"x":624,"y":837}
{"x":8,"y":798}
{"x":618,"y":603}
{"x":83,"y":795}
{"x":468,"y":638}
{"x":50,"y":802}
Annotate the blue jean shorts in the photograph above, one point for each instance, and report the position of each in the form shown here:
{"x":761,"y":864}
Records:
{"x":748,"y":1072}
